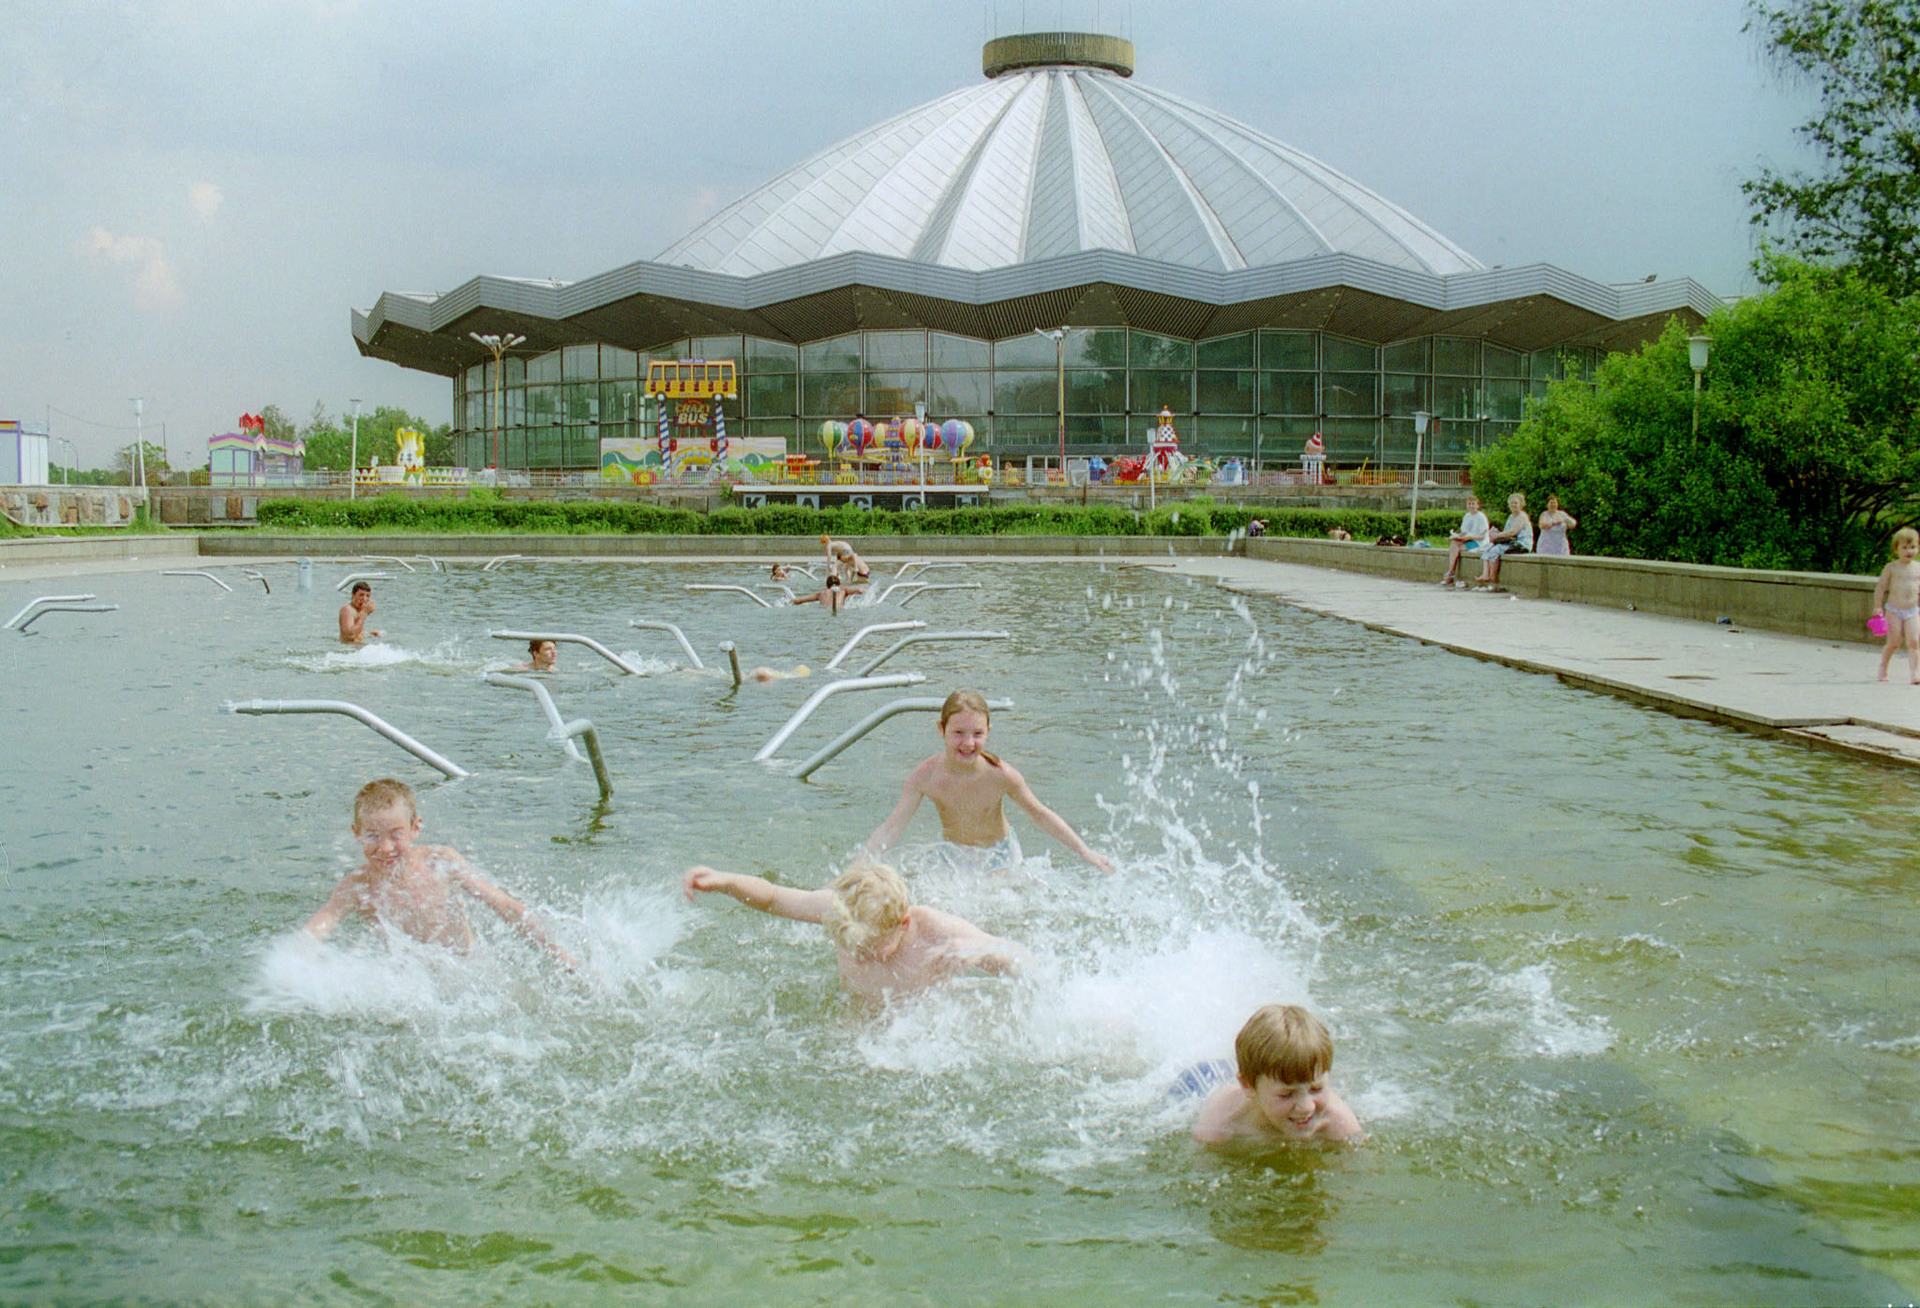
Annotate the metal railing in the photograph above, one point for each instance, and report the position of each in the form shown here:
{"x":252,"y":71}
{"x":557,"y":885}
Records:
{"x":860,"y":635}
{"x":700,"y":585}
{"x":846,"y":738}
{"x":340,"y":706}
{"x":195,"y":572}
{"x":652,"y":624}
{"x":945,"y":585}
{"x":820,"y":696}
{"x":45,"y":604}
{"x":565,"y":732}
{"x":924,"y":637}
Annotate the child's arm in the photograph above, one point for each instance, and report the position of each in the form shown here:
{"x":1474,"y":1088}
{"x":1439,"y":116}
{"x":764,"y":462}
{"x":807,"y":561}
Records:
{"x":511,"y":911}
{"x":758,"y":892}
{"x":889,"y":831}
{"x":1338,"y":1121}
{"x":1214,"y":1123}
{"x":1048,"y":820}
{"x":345,"y":899}
{"x":964,"y":945}
{"x":1880,"y":589}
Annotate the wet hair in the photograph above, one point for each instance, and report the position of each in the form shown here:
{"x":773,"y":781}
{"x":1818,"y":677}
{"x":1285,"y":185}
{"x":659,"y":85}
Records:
{"x":869,"y":900}
{"x":968,"y":701}
{"x":533,"y":647}
{"x":378,"y":795}
{"x":1904,"y":535}
{"x":1285,"y":1042}
{"x":359,"y":586}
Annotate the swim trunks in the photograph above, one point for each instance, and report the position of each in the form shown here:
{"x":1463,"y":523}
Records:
{"x":1903,"y":615}
{"x":1001,"y":857}
{"x":1200,"y":1080}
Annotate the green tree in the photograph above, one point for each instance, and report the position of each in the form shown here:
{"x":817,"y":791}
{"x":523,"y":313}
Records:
{"x":1863,"y":206}
{"x":329,"y":439}
{"x":155,"y":464}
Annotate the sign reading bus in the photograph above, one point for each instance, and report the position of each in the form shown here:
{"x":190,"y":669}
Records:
{"x":693,"y":379}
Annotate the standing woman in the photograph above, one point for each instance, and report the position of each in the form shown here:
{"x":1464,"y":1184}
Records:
{"x":1555,"y":523}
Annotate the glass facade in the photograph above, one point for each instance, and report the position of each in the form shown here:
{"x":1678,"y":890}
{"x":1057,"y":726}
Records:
{"x":1256,"y":395}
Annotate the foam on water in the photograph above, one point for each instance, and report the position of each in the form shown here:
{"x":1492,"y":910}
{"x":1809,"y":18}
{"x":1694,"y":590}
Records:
{"x":450,"y":654}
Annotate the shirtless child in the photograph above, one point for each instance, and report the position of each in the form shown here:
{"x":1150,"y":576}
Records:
{"x":1896,"y":597}
{"x":410,"y":887}
{"x":354,"y":614}
{"x":886,"y":944}
{"x":1280,"y":1094}
{"x":831,"y":596}
{"x":967,"y":786}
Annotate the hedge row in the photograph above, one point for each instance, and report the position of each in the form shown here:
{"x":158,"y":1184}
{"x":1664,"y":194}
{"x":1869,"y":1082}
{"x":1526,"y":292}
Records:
{"x":485,"y":514}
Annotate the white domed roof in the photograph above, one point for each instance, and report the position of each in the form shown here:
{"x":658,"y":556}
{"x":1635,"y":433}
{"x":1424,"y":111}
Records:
{"x":1047,"y":161}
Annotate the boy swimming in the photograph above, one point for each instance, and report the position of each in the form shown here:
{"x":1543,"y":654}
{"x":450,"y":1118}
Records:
{"x":967,"y":786}
{"x":1280,"y":1094}
{"x":542,"y":656}
{"x":410,"y":887}
{"x":354,"y":614}
{"x":885,"y":943}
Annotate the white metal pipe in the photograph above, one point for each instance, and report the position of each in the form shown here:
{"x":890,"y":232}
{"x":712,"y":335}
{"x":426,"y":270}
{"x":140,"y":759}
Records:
{"x":340,"y":706}
{"x":258,"y":576}
{"x":352,"y":577}
{"x":194,"y":572}
{"x":860,"y":635}
{"x":568,"y":638}
{"x":438,"y":566}
{"x":944,"y":585}
{"x":819,"y":697}
{"x":733,"y":657}
{"x":583,"y":728}
{"x":493,"y":563}
{"x":779,"y":586}
{"x":910,"y":563}
{"x":45,"y":599}
{"x":881,"y":598}
{"x":547,"y":705}
{"x":742,"y":589}
{"x":389,"y":558}
{"x":874,"y":719}
{"x":925,"y":636}
{"x":45,"y":609}
{"x":651,"y":624}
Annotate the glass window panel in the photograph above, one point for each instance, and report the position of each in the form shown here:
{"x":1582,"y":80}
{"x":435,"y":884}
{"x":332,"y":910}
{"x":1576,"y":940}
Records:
{"x":1103,"y":347}
{"x":1226,"y":352}
{"x":1289,"y":392}
{"x":1025,"y":392}
{"x":894,"y":394}
{"x":582,"y":449}
{"x":1453,"y":442}
{"x":1029,"y":351}
{"x":1155,"y":389}
{"x":616,"y":362}
{"x":1546,"y":365}
{"x":1151,"y":351}
{"x":899,"y":351}
{"x":1404,"y":396}
{"x":669,"y":351}
{"x":1351,"y":441}
{"x":772,"y":396}
{"x":772,"y":356}
{"x":1456,"y":397}
{"x":544,"y":367}
{"x":477,"y":377}
{"x":950,"y":393}
{"x":580,"y":363}
{"x":830,"y":394}
{"x":543,"y":405}
{"x":1456,"y":356}
{"x":715,"y":347}
{"x":1506,"y":398}
{"x":515,"y":371}
{"x":1351,"y":394}
{"x":513,"y":449}
{"x":1224,"y":392}
{"x":1293,"y":351}
{"x":1099,"y":431}
{"x":1502,"y":362}
{"x":546,"y":448}
{"x":1406,"y":356}
{"x":582,"y":403}
{"x":620,"y":401}
{"x":1341,"y":355}
{"x":1096,"y":390}
{"x":787,"y":429}
{"x":516,"y":404}
{"x":959,"y":351}
{"x":841,"y":353}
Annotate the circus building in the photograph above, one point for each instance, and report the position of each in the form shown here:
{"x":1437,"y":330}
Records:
{"x":1051,"y":256}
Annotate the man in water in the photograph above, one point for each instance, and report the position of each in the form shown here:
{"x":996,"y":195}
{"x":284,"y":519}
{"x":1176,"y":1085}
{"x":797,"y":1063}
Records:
{"x":354,"y":614}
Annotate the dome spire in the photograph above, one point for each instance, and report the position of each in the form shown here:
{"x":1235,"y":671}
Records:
{"x":1005,"y":54}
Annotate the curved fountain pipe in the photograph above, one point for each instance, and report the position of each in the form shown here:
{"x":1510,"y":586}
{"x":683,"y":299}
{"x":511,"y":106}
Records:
{"x":352,"y":577}
{"x":496,"y":561}
{"x":340,"y":706}
{"x":389,"y":558}
{"x":910,"y":563}
{"x":819,"y":697}
{"x":65,"y":608}
{"x":701,"y":585}
{"x":774,"y":585}
{"x":651,"y":624}
{"x":189,"y":572}
{"x":918,"y":705}
{"x":733,"y":657}
{"x":568,"y":638}
{"x":258,"y":576}
{"x":547,"y":705}
{"x":860,"y":635}
{"x":881,"y":598}
{"x":925,"y":636}
{"x":944,"y":585}
{"x":438,"y":566}
{"x":583,"y":728}
{"x":37,"y":601}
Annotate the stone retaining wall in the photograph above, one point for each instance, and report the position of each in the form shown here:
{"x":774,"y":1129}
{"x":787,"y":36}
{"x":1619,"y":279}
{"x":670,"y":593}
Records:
{"x":70,"y":506}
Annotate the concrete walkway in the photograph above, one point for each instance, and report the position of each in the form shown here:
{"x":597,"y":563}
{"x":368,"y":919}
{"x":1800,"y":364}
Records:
{"x":1817,"y":691}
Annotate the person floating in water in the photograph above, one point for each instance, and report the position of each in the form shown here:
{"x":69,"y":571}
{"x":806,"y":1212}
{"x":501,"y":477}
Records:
{"x":1280,"y":1092}
{"x":409,"y":887}
{"x":542,"y":656}
{"x":886,"y":944}
{"x":354,"y":614}
{"x":833,"y":596}
{"x":968,"y":785}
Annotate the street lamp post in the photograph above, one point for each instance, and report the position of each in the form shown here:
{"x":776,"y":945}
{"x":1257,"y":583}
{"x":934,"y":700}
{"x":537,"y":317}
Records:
{"x":1420,"y":421}
{"x":353,"y":452}
{"x":499,"y":344}
{"x":73,"y":456}
{"x":1059,"y":338}
{"x":138,"y":471}
{"x":1698,"y":348}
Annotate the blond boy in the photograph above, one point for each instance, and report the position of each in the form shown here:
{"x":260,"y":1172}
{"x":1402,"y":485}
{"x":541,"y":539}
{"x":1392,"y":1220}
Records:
{"x":886,"y":943}
{"x":1284,"y":1055}
{"x":409,"y":887}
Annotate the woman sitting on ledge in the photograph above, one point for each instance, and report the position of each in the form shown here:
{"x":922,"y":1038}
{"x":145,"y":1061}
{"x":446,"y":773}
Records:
{"x":1514,"y":538}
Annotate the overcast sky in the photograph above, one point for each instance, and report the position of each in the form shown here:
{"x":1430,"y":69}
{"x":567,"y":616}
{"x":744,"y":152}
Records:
{"x":195,"y":193}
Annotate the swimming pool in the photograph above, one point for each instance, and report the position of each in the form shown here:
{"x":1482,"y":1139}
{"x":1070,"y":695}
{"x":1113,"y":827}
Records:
{"x":1627,"y":1001}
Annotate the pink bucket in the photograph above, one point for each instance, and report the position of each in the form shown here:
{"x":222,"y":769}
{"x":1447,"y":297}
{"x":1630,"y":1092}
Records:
{"x":1877,"y":624}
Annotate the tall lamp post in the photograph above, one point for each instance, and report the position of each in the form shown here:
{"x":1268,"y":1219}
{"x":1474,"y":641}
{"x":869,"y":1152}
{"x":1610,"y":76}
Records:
{"x":1420,"y":421}
{"x":1698,"y":348}
{"x":353,"y":452}
{"x":73,"y":456}
{"x":1059,"y":338}
{"x":499,"y":344}
{"x":138,"y":472}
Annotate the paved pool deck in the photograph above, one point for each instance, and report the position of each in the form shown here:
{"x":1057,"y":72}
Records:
{"x":1820,"y":692}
